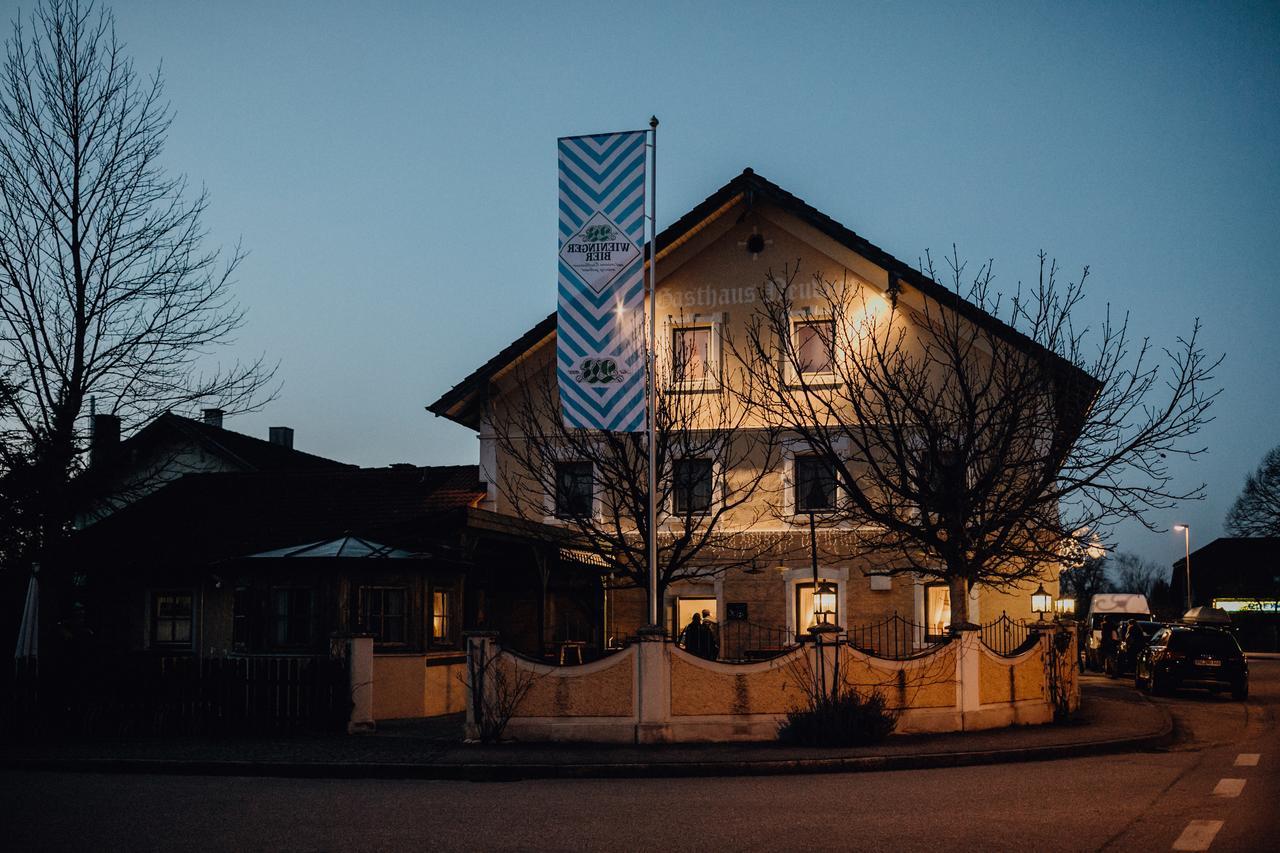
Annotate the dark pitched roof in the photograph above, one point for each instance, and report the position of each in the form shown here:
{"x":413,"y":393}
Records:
{"x":203,"y":518}
{"x":245,"y":451}
{"x":458,"y":403}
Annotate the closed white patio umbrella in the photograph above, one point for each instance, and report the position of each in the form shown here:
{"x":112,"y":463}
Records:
{"x":28,"y":647}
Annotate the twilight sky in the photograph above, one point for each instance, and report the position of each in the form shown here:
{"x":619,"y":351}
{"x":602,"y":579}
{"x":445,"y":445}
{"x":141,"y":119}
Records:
{"x":391,"y":168}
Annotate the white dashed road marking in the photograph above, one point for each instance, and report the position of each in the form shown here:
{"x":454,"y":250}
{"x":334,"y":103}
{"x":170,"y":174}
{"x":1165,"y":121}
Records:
{"x":1229,"y":788}
{"x":1248,"y":759}
{"x":1198,"y":835}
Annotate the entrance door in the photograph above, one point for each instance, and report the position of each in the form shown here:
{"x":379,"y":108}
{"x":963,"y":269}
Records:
{"x":683,"y":610}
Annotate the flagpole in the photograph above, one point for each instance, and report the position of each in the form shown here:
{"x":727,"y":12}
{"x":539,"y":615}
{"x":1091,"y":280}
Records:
{"x":653,"y":388}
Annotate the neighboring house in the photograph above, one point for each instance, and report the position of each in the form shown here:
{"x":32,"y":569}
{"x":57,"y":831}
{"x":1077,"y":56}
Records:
{"x":710,"y":264}
{"x":278,"y":562}
{"x":1242,"y":577}
{"x":201,"y":544}
{"x":172,"y":446}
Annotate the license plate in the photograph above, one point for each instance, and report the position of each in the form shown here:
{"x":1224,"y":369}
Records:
{"x":1208,"y":662}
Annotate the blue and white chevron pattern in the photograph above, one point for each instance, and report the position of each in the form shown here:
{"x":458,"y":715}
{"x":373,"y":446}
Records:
{"x":600,"y":319}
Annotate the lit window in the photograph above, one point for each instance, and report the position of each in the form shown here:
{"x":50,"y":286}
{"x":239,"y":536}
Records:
{"x":815,"y":485}
{"x":291,"y":616}
{"x":806,"y":616}
{"x":691,"y":354}
{"x":692,"y":487}
{"x":171,"y":616}
{"x":937,"y":609}
{"x":815,"y":345}
{"x":440,"y":616}
{"x":385,"y":614}
{"x":574,"y":488}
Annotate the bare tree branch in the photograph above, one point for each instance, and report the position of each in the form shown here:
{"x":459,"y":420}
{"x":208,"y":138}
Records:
{"x":972,"y":447}
{"x":105,"y":287}
{"x":702,"y":512}
{"x":1256,"y":512}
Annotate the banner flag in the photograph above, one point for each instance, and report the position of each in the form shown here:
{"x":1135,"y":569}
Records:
{"x":600,"y":352}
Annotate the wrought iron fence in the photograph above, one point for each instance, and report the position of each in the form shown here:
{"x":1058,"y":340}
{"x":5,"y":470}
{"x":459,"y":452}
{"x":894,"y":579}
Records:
{"x":743,"y":642}
{"x":1007,"y":637}
{"x":895,"y":638}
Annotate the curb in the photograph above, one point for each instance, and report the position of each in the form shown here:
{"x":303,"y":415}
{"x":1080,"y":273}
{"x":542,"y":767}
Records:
{"x":630,"y":770}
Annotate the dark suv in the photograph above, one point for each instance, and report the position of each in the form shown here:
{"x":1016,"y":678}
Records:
{"x":1187,"y":656}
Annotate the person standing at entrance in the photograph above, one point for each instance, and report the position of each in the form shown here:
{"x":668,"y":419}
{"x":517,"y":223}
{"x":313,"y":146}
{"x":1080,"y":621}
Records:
{"x":713,"y":635}
{"x":697,"y":638}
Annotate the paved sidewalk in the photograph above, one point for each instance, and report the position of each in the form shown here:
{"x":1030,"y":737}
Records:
{"x":1114,"y":718}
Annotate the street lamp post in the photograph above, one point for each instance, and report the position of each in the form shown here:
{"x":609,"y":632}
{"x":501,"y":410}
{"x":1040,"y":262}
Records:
{"x":1186,"y":539}
{"x":824,"y":595}
{"x":816,"y":498}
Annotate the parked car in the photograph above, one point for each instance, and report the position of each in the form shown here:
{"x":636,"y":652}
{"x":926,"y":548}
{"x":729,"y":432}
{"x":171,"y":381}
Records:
{"x":1110,"y":608}
{"x":1134,"y":637}
{"x":1187,"y":656}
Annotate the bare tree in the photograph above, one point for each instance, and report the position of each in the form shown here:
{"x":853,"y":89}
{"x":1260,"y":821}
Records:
{"x":105,"y":289}
{"x":712,"y":465}
{"x":1256,"y":512}
{"x":1085,"y":579}
{"x":496,"y":684}
{"x":970,"y":436}
{"x":1131,"y":573}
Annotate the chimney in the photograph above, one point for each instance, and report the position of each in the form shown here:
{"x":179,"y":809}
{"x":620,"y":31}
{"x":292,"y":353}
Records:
{"x":282,"y":436}
{"x":104,"y":438}
{"x":212,"y":417}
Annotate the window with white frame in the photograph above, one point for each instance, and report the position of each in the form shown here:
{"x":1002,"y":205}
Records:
{"x":695,"y":354}
{"x":814,"y":482}
{"x":692,"y":486}
{"x":813,"y":341}
{"x":575,"y":487}
{"x":809,"y":613}
{"x":937,"y":609}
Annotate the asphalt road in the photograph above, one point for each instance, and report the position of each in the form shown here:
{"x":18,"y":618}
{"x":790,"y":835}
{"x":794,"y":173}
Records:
{"x":1204,"y":792}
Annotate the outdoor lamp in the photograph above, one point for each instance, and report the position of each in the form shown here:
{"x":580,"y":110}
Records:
{"x":1185,"y":530}
{"x":824,"y":602}
{"x":1067,"y":605}
{"x":1041,"y":601}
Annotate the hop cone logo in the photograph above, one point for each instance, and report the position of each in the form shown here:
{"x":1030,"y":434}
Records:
{"x":598,"y":234}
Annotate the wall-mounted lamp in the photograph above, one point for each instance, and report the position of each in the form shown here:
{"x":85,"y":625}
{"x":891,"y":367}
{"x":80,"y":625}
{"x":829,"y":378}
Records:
{"x":895,"y":289}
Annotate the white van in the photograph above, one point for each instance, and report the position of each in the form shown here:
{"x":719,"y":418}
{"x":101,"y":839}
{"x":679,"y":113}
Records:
{"x":1115,"y":607}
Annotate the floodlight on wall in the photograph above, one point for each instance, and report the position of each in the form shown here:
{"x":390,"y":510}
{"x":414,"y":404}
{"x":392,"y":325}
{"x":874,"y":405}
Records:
{"x":894,"y":290}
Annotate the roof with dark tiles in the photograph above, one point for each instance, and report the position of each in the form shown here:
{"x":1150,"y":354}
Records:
{"x":243,"y":451}
{"x":203,"y":518}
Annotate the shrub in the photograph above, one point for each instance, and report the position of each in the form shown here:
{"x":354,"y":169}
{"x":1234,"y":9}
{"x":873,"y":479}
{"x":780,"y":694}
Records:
{"x":845,"y":718}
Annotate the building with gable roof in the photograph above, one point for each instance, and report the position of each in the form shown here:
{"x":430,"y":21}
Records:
{"x":711,"y":262}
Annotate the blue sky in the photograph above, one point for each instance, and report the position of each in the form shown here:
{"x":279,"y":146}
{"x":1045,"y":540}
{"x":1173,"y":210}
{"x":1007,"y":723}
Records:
{"x":391,"y":169}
